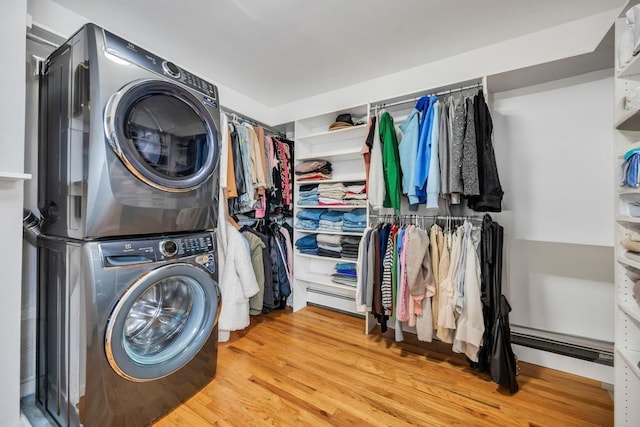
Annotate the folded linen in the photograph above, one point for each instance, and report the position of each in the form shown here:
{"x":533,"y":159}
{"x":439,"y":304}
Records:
{"x":311,"y":165}
{"x":356,"y":215}
{"x":332,"y":216}
{"x":313,"y":176}
{"x":330,"y":254}
{"x":332,"y":239}
{"x":307,"y":241}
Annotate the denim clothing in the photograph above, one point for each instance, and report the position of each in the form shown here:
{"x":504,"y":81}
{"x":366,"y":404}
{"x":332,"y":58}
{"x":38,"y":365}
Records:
{"x":433,"y":180}
{"x":307,"y":242}
{"x":356,"y":215}
{"x":305,"y":224}
{"x":332,"y":216}
{"x":312,"y":214}
{"x":346,"y":266}
{"x":308,"y":203}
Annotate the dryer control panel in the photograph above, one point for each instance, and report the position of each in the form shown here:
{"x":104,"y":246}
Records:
{"x":128,"y":51}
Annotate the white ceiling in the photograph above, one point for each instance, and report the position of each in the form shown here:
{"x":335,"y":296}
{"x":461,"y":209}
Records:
{"x":278,"y":51}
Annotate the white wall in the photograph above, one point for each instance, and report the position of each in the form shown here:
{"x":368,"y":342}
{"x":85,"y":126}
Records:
{"x":553,"y":143}
{"x":12,"y":108}
{"x":64,"y":22}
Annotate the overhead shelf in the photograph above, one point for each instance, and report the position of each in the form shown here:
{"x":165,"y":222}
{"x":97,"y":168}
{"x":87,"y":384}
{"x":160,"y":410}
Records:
{"x":631,"y":358}
{"x":334,"y":135}
{"x":625,"y":219}
{"x":630,"y":121}
{"x":632,"y":68}
{"x":14,"y":176}
{"x":628,"y":262}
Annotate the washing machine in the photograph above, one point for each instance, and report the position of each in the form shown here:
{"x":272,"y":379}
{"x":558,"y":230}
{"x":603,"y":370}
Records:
{"x":127,"y":329}
{"x":129,"y":141}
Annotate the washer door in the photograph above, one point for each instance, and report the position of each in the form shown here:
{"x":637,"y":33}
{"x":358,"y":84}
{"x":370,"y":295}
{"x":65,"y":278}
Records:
{"x":163,"y":134}
{"x":161,"y":321}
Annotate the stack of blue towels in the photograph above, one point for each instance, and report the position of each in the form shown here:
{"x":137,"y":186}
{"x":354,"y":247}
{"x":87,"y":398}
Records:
{"x":355,"y":220}
{"x":308,"y":195}
{"x":308,"y":219}
{"x":307,"y":245}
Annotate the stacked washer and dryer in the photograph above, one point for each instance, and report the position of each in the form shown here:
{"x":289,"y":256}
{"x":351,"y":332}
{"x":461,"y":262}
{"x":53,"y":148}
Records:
{"x":128,"y":299}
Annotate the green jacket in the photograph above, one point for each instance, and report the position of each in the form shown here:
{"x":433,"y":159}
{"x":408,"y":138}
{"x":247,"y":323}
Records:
{"x":390,"y":162}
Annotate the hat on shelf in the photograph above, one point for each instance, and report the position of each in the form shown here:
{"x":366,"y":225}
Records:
{"x":342,"y":121}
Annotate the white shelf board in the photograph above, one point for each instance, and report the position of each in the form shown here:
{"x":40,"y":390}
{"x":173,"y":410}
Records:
{"x":631,"y":308}
{"x":628,"y":190}
{"x":348,"y":207}
{"x":631,"y":359}
{"x":333,"y":135}
{"x":628,"y":219}
{"x":322,"y":279}
{"x":14,"y":176}
{"x":628,"y":262}
{"x":339,"y":233}
{"x":326,"y":258}
{"x":632,"y":68}
{"x":629,"y":121}
{"x":354,"y":178}
{"x":349,"y":153}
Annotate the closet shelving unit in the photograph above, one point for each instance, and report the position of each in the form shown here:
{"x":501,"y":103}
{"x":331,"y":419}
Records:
{"x":312,"y":275}
{"x":14,"y":176}
{"x":627,"y":311}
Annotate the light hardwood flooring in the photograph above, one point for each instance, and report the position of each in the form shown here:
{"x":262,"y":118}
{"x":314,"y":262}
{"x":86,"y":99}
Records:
{"x":317,"y":367}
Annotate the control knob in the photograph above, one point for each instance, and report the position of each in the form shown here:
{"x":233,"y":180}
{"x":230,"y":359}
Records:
{"x":168,"y":248}
{"x":171,"y":69}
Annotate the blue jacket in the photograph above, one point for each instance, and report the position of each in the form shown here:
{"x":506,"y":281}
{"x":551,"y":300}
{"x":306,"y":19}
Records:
{"x":424,"y":149}
{"x":408,"y":149}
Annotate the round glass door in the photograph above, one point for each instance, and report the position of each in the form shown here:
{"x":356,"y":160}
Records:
{"x":161,"y":321}
{"x":163,"y":134}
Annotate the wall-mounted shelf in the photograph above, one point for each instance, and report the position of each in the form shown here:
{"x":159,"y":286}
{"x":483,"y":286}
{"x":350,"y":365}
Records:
{"x":628,"y":262}
{"x":334,"y":135}
{"x":339,"y":233}
{"x":332,"y":181}
{"x":632,"y":68}
{"x":625,"y":219}
{"x":631,"y":359}
{"x":348,"y":153}
{"x":323,"y":279}
{"x":632,"y":309}
{"x":336,"y":207}
{"x":326,"y":258}
{"x":630,"y":121}
{"x":14,"y":176}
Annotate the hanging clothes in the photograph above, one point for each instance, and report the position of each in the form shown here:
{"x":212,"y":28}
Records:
{"x":490,"y":198}
{"x":391,"y":162}
{"x":376,"y":190}
{"x":470,"y":154}
{"x":237,"y":284}
{"x":423,"y":158}
{"x":433,"y":177}
{"x":408,"y":150}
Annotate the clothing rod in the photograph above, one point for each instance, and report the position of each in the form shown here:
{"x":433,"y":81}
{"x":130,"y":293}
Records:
{"x":406,"y":101}
{"x":232,"y":116}
{"x":42,"y":40}
{"x":431,"y":217}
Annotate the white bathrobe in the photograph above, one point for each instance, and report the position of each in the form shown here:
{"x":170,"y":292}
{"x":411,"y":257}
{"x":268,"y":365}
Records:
{"x":237,"y":281}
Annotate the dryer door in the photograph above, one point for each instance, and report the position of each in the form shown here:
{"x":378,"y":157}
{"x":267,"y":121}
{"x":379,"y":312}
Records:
{"x":163,"y":134}
{"x":161,"y":321}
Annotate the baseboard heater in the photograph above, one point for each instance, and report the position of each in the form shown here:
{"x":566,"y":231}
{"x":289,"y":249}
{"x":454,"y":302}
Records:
{"x":567,"y":345}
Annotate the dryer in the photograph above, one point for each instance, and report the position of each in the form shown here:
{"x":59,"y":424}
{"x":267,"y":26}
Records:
{"x":126,"y":328}
{"x":128,"y":141}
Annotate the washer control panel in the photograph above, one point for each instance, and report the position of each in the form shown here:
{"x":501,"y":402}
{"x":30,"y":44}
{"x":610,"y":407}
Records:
{"x":128,"y":51}
{"x":198,"y":248}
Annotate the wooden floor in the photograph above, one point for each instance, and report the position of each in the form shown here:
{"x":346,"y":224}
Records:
{"x":316,"y":367}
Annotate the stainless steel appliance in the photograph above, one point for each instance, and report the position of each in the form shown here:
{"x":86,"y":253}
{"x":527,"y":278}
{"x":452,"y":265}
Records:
{"x":129,"y":141}
{"x":126,"y":328}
